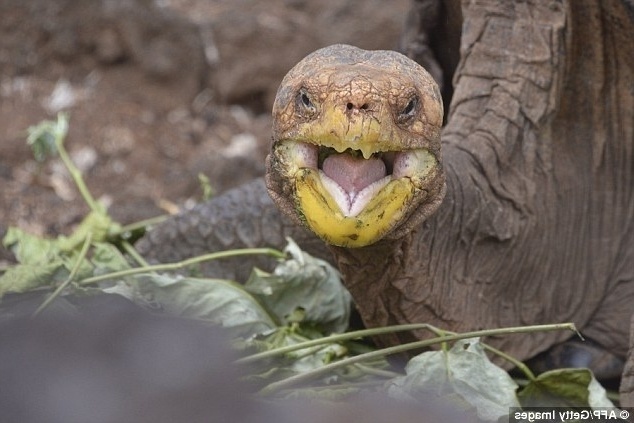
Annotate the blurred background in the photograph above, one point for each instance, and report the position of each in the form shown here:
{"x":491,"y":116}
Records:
{"x":158,"y":91}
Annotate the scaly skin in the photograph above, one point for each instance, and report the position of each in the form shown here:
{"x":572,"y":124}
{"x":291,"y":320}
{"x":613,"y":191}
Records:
{"x":243,"y":218}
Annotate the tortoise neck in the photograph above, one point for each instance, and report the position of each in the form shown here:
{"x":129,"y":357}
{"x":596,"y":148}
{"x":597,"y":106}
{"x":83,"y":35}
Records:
{"x":388,"y":281}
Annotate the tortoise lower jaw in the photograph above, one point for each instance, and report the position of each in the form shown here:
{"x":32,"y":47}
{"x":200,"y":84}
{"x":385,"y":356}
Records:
{"x":355,"y":214}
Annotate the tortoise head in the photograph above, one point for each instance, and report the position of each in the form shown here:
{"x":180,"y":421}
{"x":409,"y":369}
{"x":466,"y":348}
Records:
{"x":356,"y":145}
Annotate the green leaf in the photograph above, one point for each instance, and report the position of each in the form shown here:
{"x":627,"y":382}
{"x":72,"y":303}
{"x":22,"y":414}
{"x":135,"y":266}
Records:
{"x":40,"y":262}
{"x":25,"y":277}
{"x":213,"y":300}
{"x":43,"y":136}
{"x":464,"y":374}
{"x":306,"y":359}
{"x":30,"y":249}
{"x":97,"y":223}
{"x":106,"y":258}
{"x":205,"y":185}
{"x":44,"y":262}
{"x":303,"y":286}
{"x":564,"y":388}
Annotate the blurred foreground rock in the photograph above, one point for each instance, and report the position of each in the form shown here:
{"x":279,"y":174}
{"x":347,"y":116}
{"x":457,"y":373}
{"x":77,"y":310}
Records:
{"x":104,"y":360}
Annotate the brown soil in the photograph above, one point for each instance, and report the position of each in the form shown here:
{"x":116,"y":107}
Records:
{"x":158,"y":92}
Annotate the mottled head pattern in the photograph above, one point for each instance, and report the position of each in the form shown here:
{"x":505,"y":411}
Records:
{"x":367,"y":106}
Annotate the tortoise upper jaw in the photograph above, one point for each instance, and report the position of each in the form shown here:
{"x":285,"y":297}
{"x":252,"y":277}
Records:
{"x":342,"y":128}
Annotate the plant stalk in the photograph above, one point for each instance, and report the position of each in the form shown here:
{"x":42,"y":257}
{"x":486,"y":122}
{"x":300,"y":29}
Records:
{"x":182,"y":264}
{"x":340,"y":337}
{"x":69,"y":279}
{"x":75,"y":173}
{"x":322,"y":371}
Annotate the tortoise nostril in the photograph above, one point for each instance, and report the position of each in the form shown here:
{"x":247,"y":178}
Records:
{"x":351,"y":106}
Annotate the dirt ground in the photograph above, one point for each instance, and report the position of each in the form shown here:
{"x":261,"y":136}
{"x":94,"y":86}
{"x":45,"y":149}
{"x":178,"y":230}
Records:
{"x":159,"y":91}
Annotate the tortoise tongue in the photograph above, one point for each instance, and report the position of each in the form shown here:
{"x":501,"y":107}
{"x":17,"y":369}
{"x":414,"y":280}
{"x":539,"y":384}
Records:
{"x":353,"y":174}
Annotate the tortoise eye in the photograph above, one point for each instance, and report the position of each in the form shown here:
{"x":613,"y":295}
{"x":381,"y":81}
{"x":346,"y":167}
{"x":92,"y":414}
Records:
{"x":409,"y":109}
{"x":304,"y":102}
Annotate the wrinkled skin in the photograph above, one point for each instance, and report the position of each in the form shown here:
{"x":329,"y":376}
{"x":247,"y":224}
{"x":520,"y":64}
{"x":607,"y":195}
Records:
{"x":537,"y":225}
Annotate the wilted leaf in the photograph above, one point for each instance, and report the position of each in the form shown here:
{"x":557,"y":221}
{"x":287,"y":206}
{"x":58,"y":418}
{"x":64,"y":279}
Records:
{"x":43,"y":137}
{"x":307,"y":284}
{"x":40,"y":262}
{"x":25,"y":277}
{"x":334,"y":396}
{"x":597,"y":396}
{"x":213,"y":300}
{"x":564,"y":388}
{"x":30,"y":249}
{"x":97,"y":223}
{"x":298,"y":361}
{"x":463,"y":374}
{"x":107,"y":258}
{"x":104,"y":258}
{"x":44,"y":262}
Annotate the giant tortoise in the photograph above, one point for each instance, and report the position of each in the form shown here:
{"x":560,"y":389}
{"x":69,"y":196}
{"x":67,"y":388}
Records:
{"x":518,"y":210}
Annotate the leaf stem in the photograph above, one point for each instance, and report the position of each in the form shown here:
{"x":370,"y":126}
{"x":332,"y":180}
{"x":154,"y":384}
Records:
{"x":387,"y":374}
{"x":340,"y":337}
{"x":75,"y":173}
{"x":520,"y":365}
{"x":142,"y":224}
{"x":132,"y":252}
{"x":182,"y":264}
{"x":322,"y":371}
{"x":69,"y":279}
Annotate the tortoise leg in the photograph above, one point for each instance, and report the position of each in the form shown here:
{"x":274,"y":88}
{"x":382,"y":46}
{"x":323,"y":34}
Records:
{"x":627,"y":383}
{"x":575,"y":353}
{"x":239,"y":218}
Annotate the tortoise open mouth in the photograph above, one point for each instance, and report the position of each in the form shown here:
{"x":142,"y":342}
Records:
{"x":352,"y":180}
{"x":348,"y":199}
